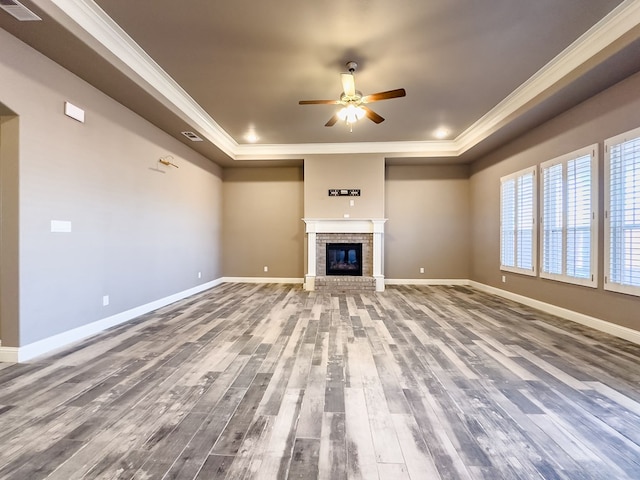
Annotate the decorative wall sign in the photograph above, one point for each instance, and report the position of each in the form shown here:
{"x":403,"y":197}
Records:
{"x":344,"y":192}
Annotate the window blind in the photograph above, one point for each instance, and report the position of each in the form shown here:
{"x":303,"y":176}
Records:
{"x":568,"y":217}
{"x":517,"y":222}
{"x":524,"y":235}
{"x":552,"y":215}
{"x":624,"y":213}
{"x":508,"y":224}
{"x":579,"y":218}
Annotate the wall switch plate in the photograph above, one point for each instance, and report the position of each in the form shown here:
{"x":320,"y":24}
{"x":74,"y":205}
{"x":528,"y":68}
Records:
{"x":266,"y":269}
{"x":105,"y":300}
{"x":421,"y":269}
{"x":352,"y":202}
{"x":199,"y":274}
{"x":504,"y":279}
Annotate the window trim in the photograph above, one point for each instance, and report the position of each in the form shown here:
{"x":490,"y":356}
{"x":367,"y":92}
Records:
{"x":608,"y":285}
{"x":592,"y":151}
{"x":534,"y":237}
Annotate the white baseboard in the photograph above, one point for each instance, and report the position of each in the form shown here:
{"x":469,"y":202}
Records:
{"x":49,"y":344}
{"x":9,"y":354}
{"x":261,"y":280}
{"x":611,"y":328}
{"x":426,"y":281}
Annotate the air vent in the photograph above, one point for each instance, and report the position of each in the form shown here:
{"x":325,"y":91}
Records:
{"x":192,"y":136}
{"x":19,"y":11}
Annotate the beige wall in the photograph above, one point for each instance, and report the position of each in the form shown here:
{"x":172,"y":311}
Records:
{"x":323,"y":172}
{"x":614,"y":111}
{"x":427,"y":207}
{"x":262,"y":222}
{"x":9,"y":238}
{"x":428,"y":222}
{"x":140,"y":232}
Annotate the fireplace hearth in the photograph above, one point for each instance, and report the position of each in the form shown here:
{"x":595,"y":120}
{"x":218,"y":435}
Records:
{"x":344,"y":259}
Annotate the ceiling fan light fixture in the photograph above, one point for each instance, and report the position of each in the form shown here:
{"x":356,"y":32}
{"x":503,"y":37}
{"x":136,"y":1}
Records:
{"x":351,"y":113}
{"x":353,"y":102}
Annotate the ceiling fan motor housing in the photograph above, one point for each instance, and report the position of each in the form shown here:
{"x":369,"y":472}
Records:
{"x":348,"y":99}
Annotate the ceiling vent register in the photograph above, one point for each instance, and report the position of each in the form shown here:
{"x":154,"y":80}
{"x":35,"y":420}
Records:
{"x":18,"y":11}
{"x":192,"y":136}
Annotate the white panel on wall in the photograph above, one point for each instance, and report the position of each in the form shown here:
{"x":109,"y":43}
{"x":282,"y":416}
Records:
{"x":70,"y":110}
{"x":60,"y":226}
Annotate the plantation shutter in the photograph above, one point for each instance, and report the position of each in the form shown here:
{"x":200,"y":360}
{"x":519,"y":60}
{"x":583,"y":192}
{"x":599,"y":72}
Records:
{"x":517,"y":222}
{"x":524,"y":239}
{"x":552,"y":233}
{"x":579,"y":217}
{"x":568,"y":231}
{"x":508,"y":224}
{"x":624,"y":213}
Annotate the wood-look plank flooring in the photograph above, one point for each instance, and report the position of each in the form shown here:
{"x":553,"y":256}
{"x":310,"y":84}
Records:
{"x":272,"y":382}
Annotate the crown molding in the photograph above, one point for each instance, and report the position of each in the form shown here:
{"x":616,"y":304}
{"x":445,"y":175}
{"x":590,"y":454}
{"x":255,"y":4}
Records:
{"x":126,"y":54}
{"x":389,"y":149}
{"x":619,"y":22}
{"x":102,"y":28}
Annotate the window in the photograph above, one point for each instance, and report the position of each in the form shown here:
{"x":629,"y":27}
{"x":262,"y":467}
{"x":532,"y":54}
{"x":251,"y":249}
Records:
{"x":568,"y":230}
{"x":517,"y":222}
{"x":622,"y":213}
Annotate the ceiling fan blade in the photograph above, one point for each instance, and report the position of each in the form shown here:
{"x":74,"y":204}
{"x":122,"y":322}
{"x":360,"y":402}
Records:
{"x":332,"y":121}
{"x":348,"y":84}
{"x":318,"y":102}
{"x":375,"y":97}
{"x":371,"y":115}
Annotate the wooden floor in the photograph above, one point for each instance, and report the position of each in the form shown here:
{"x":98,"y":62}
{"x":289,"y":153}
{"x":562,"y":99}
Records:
{"x":270,"y":381}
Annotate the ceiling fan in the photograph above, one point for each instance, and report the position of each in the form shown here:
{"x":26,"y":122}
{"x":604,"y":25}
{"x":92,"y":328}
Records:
{"x":353,"y":102}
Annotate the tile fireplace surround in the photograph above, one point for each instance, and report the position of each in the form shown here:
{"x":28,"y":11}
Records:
{"x":368,"y":231}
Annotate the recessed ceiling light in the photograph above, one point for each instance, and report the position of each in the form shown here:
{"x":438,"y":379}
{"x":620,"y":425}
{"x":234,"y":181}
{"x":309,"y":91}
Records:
{"x":441,"y":133}
{"x":251,"y":137}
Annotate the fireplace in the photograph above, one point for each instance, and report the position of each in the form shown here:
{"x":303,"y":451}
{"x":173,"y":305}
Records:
{"x":368,"y":233}
{"x":344,"y":259}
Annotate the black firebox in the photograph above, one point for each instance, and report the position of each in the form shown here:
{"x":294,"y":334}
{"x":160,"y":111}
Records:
{"x":344,"y":259}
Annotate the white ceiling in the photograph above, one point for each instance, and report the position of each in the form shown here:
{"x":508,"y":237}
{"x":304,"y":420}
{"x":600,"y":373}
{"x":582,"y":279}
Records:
{"x":484,"y":70}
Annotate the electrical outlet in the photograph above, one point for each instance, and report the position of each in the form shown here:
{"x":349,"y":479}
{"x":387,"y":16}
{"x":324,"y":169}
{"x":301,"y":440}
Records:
{"x":105,"y":300}
{"x":421,"y":269}
{"x":266,"y":269}
{"x":504,"y":279}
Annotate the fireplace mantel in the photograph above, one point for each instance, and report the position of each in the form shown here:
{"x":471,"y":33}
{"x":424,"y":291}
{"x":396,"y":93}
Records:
{"x":344,"y":225}
{"x":373,"y":226}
